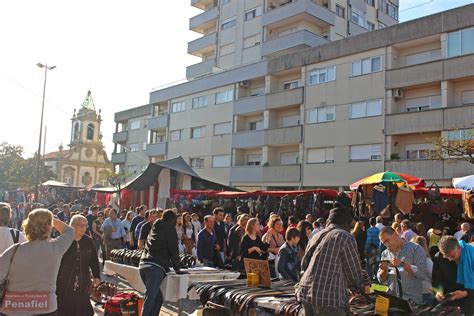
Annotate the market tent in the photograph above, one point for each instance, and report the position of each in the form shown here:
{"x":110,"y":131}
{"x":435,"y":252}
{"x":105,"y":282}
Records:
{"x":233,"y":194}
{"x":388,"y":176}
{"x":57,"y":184}
{"x":464,"y":183}
{"x":448,"y":193}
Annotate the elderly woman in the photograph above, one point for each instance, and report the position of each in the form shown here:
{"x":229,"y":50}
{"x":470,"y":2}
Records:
{"x":74,"y":277}
{"x":35,"y":263}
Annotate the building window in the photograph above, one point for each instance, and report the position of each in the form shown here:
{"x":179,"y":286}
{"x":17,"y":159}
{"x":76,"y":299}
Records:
{"x":175,"y":135}
{"x":322,"y":75}
{"x":196,"y":162}
{"x":366,"y":109}
{"x":289,"y":158}
{"x":220,"y":161}
{"x":197,"y":132}
{"x":357,"y":17}
{"x":461,"y":134}
{"x":224,"y":1}
{"x":320,"y":155}
{"x":366,"y":66}
{"x":178,"y":107}
{"x":199,"y":102}
{"x":252,"y":14}
{"x":222,"y":128}
{"x":290,"y":120}
{"x":224,"y":96}
{"x":254,"y":160}
{"x":290,"y":85}
{"x":322,"y":114}
{"x":370,"y":26}
{"x":340,"y":11}
{"x":134,"y":125}
{"x":381,"y":25}
{"x":370,"y":2}
{"x":134,"y":147}
{"x":252,"y":41}
{"x":229,"y":23}
{"x":419,"y":151}
{"x":366,"y":152}
{"x":90,"y":131}
{"x":256,"y":126}
{"x":422,"y":104}
{"x":392,"y":10}
{"x":461,"y":42}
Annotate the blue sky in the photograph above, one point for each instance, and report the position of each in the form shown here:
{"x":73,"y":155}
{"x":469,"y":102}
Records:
{"x":119,"y":49}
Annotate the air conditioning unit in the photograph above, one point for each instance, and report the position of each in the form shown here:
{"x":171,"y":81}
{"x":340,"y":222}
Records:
{"x":244,"y":84}
{"x":397,"y":93}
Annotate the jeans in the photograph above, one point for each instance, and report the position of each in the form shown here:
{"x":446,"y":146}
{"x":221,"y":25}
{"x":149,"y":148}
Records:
{"x":152,"y":277}
{"x":208,"y":263}
{"x":310,"y":310}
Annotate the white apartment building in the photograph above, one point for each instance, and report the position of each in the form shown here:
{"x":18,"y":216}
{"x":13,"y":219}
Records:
{"x":324,"y":115}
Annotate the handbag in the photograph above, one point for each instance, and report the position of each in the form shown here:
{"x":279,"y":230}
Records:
{"x":4,"y":282}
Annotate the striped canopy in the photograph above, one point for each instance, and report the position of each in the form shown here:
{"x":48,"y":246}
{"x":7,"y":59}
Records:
{"x":388,"y":176}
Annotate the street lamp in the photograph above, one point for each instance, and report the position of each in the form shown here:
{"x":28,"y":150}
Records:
{"x":38,"y":161}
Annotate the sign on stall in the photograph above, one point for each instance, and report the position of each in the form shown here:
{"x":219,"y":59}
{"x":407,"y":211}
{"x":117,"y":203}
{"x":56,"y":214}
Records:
{"x":259,"y":267}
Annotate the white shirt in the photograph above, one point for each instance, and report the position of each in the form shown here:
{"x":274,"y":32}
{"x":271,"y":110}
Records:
{"x":458,"y":235}
{"x":379,"y":226}
{"x":6,"y":239}
{"x":427,"y":287}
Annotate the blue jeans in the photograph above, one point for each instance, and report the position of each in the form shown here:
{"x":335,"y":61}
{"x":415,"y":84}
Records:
{"x":152,"y":277}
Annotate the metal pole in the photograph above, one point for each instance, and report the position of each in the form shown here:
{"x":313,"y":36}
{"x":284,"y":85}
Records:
{"x":38,"y":161}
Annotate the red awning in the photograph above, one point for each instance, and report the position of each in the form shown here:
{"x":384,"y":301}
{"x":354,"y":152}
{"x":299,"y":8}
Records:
{"x":448,"y":193}
{"x":328,"y":193}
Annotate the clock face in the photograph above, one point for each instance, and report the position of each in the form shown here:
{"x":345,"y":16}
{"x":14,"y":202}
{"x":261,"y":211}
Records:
{"x":88,"y":152}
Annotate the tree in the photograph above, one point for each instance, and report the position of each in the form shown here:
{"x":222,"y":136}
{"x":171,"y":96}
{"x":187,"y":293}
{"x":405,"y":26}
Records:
{"x":458,"y":147}
{"x":17,"y":172}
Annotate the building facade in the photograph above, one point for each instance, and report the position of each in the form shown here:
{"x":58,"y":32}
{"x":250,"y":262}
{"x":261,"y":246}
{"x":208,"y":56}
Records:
{"x":85,"y":163}
{"x":328,"y":115}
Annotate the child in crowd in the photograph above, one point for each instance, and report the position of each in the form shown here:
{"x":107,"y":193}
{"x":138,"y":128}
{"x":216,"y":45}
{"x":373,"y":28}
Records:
{"x":288,"y":256}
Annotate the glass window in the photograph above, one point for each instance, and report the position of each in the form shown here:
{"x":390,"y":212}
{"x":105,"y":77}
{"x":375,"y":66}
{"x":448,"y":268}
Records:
{"x":224,"y":96}
{"x":291,"y":120}
{"x":134,"y":125}
{"x":467,"y":41}
{"x":289,"y":158}
{"x":454,"y":44}
{"x":366,"y":66}
{"x":256,"y":126}
{"x":251,"y":14}
{"x":222,"y":128}
{"x":371,"y":2}
{"x":392,"y":10}
{"x":356,"y":68}
{"x":196,"y":132}
{"x":196,"y":162}
{"x":357,"y":110}
{"x":229,"y":23}
{"x":175,"y":135}
{"x":199,"y":102}
{"x":374,"y":108}
{"x":134,"y":147}
{"x":370,"y":26}
{"x":322,"y":114}
{"x":376,"y":64}
{"x":254,"y":160}
{"x":366,"y":152}
{"x":290,"y":85}
{"x":320,"y":155}
{"x":178,"y":107}
{"x":340,"y":11}
{"x":322,"y":75}
{"x":221,"y":161}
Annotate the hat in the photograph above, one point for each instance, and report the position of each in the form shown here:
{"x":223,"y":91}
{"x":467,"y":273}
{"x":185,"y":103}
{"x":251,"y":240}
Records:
{"x":339,"y":216}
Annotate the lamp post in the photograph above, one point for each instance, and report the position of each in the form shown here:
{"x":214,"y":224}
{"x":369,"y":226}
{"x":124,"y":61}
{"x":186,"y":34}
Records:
{"x":38,"y":161}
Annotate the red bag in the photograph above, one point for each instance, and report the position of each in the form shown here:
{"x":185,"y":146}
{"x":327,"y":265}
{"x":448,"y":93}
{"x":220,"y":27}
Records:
{"x":122,"y":303}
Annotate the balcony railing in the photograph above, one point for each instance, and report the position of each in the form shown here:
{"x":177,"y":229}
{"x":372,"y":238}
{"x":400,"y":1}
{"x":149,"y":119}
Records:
{"x":157,"y":149}
{"x":119,"y":158}
{"x":199,"y":69}
{"x":430,"y":169}
{"x":296,"y":40}
{"x":120,"y":137}
{"x":200,"y":44}
{"x":204,"y":20}
{"x":269,"y":137}
{"x":269,"y":101}
{"x":157,"y":122}
{"x":265,"y":174}
{"x":321,"y":15}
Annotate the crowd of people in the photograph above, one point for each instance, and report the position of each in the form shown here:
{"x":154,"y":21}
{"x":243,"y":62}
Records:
{"x":328,"y":257}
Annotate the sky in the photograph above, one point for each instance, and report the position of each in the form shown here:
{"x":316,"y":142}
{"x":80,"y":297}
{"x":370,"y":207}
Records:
{"x":120,"y":50}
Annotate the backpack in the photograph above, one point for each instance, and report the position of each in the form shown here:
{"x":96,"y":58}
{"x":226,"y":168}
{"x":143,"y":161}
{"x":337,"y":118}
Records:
{"x":126,"y":303}
{"x":15,"y":235}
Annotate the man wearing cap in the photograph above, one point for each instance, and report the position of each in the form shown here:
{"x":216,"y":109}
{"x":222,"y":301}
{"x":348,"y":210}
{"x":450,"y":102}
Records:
{"x":331,"y":266}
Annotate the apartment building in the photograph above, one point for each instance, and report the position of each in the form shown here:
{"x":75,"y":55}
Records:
{"x":239,"y":32}
{"x":328,"y":115}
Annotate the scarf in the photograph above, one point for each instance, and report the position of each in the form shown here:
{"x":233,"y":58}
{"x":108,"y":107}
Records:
{"x":465,"y":266}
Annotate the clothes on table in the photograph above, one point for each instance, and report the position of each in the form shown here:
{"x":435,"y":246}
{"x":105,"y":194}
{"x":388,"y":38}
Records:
{"x":379,"y":198}
{"x":404,"y":199}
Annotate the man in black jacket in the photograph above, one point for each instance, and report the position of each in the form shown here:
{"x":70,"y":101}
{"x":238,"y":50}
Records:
{"x":161,"y":252}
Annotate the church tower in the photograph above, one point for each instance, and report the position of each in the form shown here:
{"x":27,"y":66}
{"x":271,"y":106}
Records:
{"x":85,"y":163}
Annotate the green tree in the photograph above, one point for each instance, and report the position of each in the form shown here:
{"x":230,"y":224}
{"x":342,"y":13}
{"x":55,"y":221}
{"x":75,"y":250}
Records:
{"x":17,"y":172}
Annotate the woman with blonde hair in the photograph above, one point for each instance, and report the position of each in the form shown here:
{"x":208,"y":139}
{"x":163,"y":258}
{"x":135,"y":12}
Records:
{"x":428,"y":296}
{"x":188,"y":233}
{"x":274,"y":234}
{"x":33,"y":266}
{"x":252,"y":246}
{"x":397,"y":228}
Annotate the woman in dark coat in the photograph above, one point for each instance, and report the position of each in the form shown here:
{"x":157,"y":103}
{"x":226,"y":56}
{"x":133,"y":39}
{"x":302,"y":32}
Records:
{"x":74,"y":277}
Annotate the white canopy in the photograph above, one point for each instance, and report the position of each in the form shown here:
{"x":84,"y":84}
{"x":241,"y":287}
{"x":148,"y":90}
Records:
{"x":464,"y":183}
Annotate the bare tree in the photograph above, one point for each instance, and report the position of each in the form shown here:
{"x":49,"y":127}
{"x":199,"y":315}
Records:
{"x":461,"y":149}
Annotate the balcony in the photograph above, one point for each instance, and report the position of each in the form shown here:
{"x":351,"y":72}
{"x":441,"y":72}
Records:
{"x":414,"y":122}
{"x":203,"y":21}
{"x":203,"y":4}
{"x":297,"y":10}
{"x":265,"y":174}
{"x":200,"y":69}
{"x":158,"y":122}
{"x":202,"y":44}
{"x":430,"y":120}
{"x":269,"y":101}
{"x":119,"y":158}
{"x":294,"y":41}
{"x":157,"y":149}
{"x":120,"y":137}
{"x":268,"y":137}
{"x":356,"y":29}
{"x":429,"y":169}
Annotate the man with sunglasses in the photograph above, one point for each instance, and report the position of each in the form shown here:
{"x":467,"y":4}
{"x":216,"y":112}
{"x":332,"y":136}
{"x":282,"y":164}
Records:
{"x":403,"y":266}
